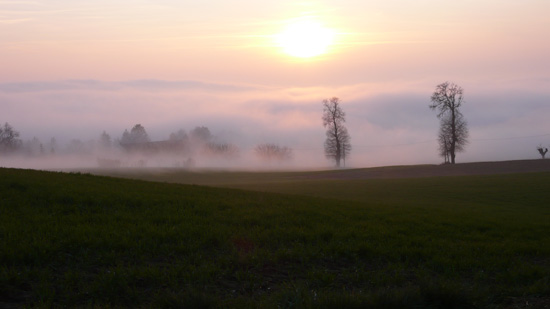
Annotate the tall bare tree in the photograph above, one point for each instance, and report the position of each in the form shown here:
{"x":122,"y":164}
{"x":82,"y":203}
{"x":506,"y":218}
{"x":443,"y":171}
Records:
{"x":337,"y":144}
{"x":453,"y":134}
{"x":445,"y":136}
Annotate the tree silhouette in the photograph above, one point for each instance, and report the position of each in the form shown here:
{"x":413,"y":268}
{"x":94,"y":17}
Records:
{"x":200,"y":135}
{"x":346,"y":146}
{"x":445,"y":136}
{"x":137,"y":135}
{"x":542,"y":151}
{"x":337,"y":143}
{"x":9,"y":138}
{"x":453,"y":134}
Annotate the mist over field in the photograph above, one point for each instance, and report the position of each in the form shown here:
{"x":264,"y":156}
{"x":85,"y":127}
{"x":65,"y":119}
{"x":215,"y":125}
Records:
{"x":119,"y":158}
{"x":107,"y":66}
{"x":199,"y":149}
{"x":274,"y":154}
{"x":387,"y":126}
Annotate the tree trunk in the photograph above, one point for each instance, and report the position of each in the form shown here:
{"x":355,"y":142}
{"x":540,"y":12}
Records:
{"x":338,"y":152}
{"x":338,"y":146}
{"x":453,"y":134}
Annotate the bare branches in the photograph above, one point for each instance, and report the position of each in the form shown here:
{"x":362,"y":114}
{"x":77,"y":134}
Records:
{"x":453,"y":132}
{"x":542,"y":151}
{"x":445,"y":137}
{"x":332,"y":112}
{"x":447,"y":97}
{"x":223,"y":150}
{"x":273,"y":152}
{"x":337,"y":144}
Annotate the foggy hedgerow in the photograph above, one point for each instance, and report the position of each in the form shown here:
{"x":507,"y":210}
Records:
{"x":273,"y":152}
{"x":224,"y":150}
{"x":453,"y":132}
{"x":337,"y":143}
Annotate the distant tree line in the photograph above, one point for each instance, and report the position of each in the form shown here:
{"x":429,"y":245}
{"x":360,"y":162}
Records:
{"x":273,"y":152}
{"x":198,"y":142}
{"x":447,"y":100}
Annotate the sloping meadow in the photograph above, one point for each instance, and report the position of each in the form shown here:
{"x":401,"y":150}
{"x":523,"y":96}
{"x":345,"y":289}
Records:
{"x":82,"y":240}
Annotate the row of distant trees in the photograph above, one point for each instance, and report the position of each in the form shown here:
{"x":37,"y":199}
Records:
{"x":137,"y":140}
{"x":203,"y":138}
{"x":447,"y":100}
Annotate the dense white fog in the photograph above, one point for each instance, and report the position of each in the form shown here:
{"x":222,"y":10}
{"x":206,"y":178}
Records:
{"x":387,"y":125}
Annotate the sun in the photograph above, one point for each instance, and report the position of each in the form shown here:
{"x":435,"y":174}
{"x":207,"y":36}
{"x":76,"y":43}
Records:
{"x":305,"y":39}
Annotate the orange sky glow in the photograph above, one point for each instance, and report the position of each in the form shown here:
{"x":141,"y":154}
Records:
{"x":379,"y":57}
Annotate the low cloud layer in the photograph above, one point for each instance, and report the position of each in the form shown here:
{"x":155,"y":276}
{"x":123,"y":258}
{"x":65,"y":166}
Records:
{"x":389,"y":124}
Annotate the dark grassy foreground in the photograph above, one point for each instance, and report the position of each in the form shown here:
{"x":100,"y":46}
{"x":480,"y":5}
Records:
{"x":74,"y":240}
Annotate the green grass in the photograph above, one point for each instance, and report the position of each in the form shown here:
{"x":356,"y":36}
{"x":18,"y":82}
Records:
{"x":77,"y":240}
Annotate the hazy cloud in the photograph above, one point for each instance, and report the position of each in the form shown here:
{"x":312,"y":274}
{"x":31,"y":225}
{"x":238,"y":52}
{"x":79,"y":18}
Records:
{"x":152,"y":85}
{"x":386,"y":127}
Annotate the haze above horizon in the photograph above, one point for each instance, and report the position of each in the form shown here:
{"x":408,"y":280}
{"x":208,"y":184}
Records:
{"x":256,"y":72}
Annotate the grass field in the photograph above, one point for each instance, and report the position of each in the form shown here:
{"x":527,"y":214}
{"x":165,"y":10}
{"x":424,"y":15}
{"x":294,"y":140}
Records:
{"x":77,"y":240}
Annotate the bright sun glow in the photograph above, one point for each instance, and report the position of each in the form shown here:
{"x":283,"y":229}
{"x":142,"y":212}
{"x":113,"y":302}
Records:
{"x":305,"y":39}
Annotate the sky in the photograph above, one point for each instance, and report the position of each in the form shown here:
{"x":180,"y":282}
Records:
{"x":73,"y":69}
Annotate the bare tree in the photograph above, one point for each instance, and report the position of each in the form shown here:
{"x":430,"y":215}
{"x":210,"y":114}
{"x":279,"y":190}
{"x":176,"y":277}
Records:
{"x":447,"y":99}
{"x":542,"y":151}
{"x":445,"y":136}
{"x":137,"y":135}
{"x":9,"y":138}
{"x":273,"y":152}
{"x":337,"y":143}
{"x":346,"y":146}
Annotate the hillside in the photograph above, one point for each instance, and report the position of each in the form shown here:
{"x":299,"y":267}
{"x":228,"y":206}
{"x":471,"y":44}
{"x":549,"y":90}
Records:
{"x":460,"y":169}
{"x":254,"y":179}
{"x":77,"y":240}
